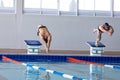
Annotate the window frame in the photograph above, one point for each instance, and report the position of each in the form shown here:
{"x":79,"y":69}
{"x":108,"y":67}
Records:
{"x":77,"y":12}
{"x":8,"y":9}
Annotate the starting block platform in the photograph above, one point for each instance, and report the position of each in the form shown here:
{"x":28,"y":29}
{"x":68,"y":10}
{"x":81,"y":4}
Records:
{"x":96,"y":50}
{"x":33,"y":46}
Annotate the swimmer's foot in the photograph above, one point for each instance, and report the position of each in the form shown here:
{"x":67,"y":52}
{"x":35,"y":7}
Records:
{"x":96,"y":44}
{"x":47,"y":50}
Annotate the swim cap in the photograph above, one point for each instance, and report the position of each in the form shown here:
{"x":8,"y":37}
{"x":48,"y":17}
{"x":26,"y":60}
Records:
{"x":106,"y":25}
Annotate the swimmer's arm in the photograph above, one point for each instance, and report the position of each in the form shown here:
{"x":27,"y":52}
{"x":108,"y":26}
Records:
{"x":111,"y":30}
{"x":49,"y":38}
{"x":43,"y":41}
{"x":102,"y":29}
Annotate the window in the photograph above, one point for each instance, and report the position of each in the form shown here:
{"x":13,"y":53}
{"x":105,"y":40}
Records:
{"x":32,"y":6}
{"x":49,"y":7}
{"x":95,"y":7}
{"x":103,"y":7}
{"x":68,"y":7}
{"x":86,"y":4}
{"x":31,"y":3}
{"x":73,"y":7}
{"x":86,"y":7}
{"x":49,"y":4}
{"x":7,"y":6}
{"x":116,"y":8}
{"x":40,"y":6}
{"x":116,"y":5}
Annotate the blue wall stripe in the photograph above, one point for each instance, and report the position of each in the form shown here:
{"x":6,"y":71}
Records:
{"x":57,"y":58}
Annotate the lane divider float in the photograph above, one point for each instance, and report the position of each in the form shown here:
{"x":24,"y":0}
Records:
{"x":4,"y":58}
{"x":74,"y":60}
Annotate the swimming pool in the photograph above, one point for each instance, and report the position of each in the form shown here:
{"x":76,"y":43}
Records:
{"x":81,"y":70}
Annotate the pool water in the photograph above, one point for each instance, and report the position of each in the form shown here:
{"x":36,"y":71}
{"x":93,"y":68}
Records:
{"x":12,"y":71}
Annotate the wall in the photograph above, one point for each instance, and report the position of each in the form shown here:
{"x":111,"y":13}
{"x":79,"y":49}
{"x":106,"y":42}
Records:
{"x":68,"y":32}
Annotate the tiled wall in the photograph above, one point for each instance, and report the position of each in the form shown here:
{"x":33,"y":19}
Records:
{"x":59,"y":58}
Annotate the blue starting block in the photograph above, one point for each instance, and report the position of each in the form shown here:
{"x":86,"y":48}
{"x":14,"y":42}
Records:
{"x":96,"y":50}
{"x":33,"y":46}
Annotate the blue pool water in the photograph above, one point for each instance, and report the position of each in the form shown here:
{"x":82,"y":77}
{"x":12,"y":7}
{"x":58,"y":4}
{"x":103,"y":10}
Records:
{"x":60,"y":65}
{"x":12,"y":71}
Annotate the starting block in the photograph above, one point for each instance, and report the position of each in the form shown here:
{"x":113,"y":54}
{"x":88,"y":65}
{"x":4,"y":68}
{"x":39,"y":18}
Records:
{"x":96,"y":50}
{"x":32,"y":46}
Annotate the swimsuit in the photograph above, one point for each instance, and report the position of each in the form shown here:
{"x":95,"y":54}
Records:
{"x":104,"y":28}
{"x":100,"y":30}
{"x":46,"y":40}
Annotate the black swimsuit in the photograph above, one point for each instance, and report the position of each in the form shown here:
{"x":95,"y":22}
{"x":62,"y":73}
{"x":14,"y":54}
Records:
{"x":46,"y":40}
{"x":100,"y":30}
{"x":104,"y":28}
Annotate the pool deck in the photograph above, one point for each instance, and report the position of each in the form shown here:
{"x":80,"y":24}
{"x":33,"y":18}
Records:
{"x":57,"y":52}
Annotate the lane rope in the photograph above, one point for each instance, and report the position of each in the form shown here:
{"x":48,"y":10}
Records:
{"x":74,"y":60}
{"x":4,"y":58}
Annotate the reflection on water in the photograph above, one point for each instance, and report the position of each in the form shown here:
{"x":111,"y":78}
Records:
{"x":46,"y":77}
{"x":95,"y":72}
{"x":89,"y":72}
{"x":32,"y":74}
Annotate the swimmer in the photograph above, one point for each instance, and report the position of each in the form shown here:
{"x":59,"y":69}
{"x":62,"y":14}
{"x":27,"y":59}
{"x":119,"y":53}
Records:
{"x":45,"y":36}
{"x":104,"y":28}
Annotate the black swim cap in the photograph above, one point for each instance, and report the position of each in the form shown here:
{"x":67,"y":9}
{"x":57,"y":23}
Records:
{"x":106,"y":25}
